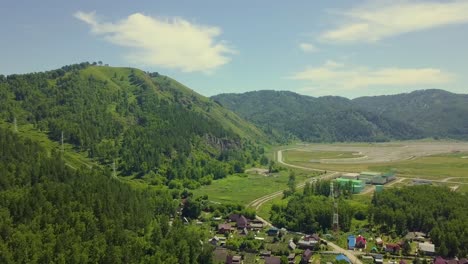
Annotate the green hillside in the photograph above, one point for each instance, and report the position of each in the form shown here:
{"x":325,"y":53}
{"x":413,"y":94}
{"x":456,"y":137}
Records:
{"x":153,"y":127}
{"x":437,"y":113}
{"x":287,"y":115}
{"x":52,"y":213}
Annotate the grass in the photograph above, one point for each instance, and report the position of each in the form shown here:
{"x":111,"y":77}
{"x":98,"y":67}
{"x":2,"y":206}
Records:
{"x":433,"y":167}
{"x":244,"y":188}
{"x":264,"y":210}
{"x":304,"y":156}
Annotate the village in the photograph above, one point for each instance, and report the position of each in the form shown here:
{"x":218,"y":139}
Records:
{"x":239,"y":239}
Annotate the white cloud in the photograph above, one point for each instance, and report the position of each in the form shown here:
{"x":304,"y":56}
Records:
{"x":172,"y":43}
{"x":307,"y":47}
{"x":374,"y":22}
{"x":338,"y":76}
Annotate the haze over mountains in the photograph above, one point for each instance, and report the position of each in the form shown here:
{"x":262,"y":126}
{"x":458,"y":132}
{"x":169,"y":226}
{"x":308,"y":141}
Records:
{"x":420,"y":114}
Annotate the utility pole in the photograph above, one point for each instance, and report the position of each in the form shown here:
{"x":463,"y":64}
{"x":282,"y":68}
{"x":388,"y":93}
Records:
{"x":335,"y":223}
{"x":15,"y":125}
{"x":62,"y":148}
{"x":114,"y":170}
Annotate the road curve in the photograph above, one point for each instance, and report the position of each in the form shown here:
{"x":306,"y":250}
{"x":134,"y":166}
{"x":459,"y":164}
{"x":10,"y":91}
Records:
{"x":257,"y":203}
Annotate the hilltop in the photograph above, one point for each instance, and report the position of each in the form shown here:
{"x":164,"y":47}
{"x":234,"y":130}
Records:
{"x":152,"y":126}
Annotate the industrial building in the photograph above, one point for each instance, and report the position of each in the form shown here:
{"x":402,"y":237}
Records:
{"x":356,"y":185}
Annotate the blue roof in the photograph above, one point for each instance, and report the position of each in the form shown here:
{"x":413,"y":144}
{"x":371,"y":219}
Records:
{"x":343,"y":257}
{"x":351,"y":241}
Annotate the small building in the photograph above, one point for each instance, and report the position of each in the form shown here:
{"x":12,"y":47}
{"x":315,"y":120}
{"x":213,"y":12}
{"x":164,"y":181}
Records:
{"x":291,"y":245}
{"x":272,"y":260}
{"x":224,"y":228}
{"x":291,"y":258}
{"x":380,"y":180}
{"x":356,"y":185}
{"x":265,"y":253}
{"x":361,"y":242}
{"x":342,"y":257}
{"x":378,"y":259}
{"x":379,"y":241}
{"x":350,"y":176}
{"x":218,"y":241}
{"x":351,"y":242}
{"x":379,"y":188}
{"x":273,"y":231}
{"x":306,"y":256}
{"x":244,"y":231}
{"x":309,"y":241}
{"x":390,"y":176}
{"x":367,"y":176}
{"x":416,"y":236}
{"x":256,"y":225}
{"x":427,"y":248}
{"x":233,"y":259}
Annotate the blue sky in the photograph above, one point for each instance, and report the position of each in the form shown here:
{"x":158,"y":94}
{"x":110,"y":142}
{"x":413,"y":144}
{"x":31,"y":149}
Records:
{"x":345,"y":48}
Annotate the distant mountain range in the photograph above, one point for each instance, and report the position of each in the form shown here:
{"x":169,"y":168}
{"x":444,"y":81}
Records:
{"x":420,"y":114}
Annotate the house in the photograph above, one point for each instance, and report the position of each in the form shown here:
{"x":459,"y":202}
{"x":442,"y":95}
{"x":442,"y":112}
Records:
{"x":378,"y":259}
{"x":291,"y":245}
{"x":427,"y":248}
{"x":273,"y":231}
{"x":291,"y":258}
{"x":265,"y":253}
{"x":242,"y":222}
{"x":350,"y":176}
{"x":233,"y":259}
{"x":351,"y":242}
{"x":224,"y":228}
{"x":306,"y":256}
{"x":272,"y":260}
{"x":360,"y":242}
{"x":342,"y":257}
{"x":392,"y":248}
{"x":307,"y":244}
{"x":256,"y":225}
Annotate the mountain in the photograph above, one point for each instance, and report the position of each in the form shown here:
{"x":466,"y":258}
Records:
{"x":437,"y":113}
{"x":287,"y":115}
{"x":152,"y":126}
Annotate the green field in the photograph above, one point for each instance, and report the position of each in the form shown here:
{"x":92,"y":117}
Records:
{"x":305,"y":156}
{"x":431,"y":167}
{"x":244,"y":188}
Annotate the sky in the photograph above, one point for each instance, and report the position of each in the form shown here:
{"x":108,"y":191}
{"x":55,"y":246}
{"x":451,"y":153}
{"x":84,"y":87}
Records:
{"x":316,"y":48}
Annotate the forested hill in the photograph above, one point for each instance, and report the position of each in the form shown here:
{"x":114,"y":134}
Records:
{"x":288,"y":115}
{"x":437,"y":113}
{"x":51,"y":213}
{"x":154,"y":127}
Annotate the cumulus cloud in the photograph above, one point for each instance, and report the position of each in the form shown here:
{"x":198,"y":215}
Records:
{"x":171,"y":43}
{"x":376,"y":21}
{"x":307,"y":47}
{"x":339,"y":76}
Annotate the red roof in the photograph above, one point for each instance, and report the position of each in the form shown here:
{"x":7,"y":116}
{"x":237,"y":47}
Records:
{"x":361,"y":239}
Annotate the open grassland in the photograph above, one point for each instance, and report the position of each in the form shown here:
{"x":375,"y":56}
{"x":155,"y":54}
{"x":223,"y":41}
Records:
{"x":244,"y":188}
{"x":435,"y":167}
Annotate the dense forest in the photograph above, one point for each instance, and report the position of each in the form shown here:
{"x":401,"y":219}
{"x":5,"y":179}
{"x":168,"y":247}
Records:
{"x":286,"y":115}
{"x":155,"y":128}
{"x":50,"y":213}
{"x":437,"y":113}
{"x":434,"y":210}
{"x":312,"y":210}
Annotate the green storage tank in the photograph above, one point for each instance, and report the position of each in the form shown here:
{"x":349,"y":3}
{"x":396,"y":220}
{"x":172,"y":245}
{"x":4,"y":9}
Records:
{"x":379,"y":188}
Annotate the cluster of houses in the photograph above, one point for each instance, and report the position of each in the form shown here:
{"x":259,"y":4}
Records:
{"x":242,"y":225}
{"x":424,"y":246}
